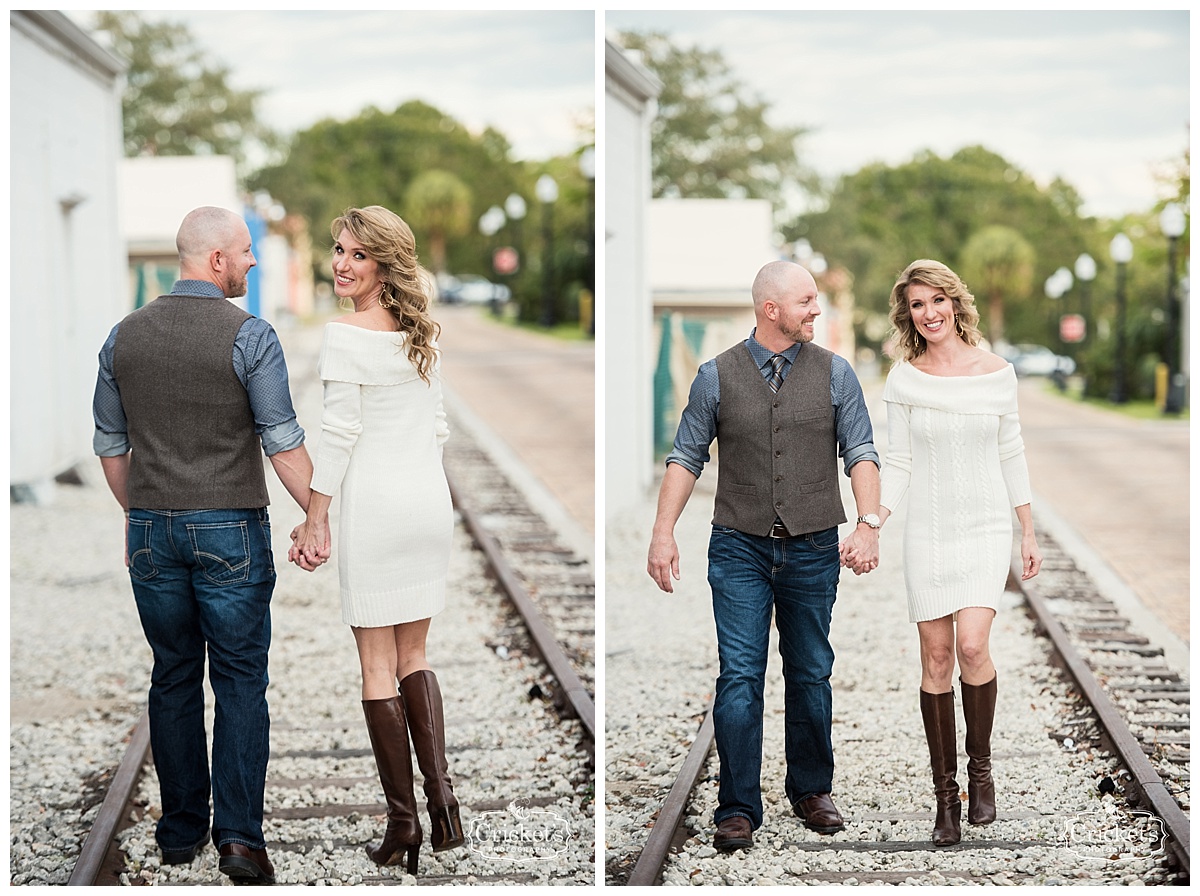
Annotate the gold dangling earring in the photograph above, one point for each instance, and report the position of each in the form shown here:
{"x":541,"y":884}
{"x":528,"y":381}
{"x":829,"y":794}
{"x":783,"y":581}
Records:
{"x":959,"y":327}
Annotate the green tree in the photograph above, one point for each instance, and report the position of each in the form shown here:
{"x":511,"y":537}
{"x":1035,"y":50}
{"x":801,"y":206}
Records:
{"x":997,"y":263}
{"x":711,"y":138}
{"x":177,"y":102}
{"x":374,"y":158}
{"x":440,"y":203}
{"x":881,"y":217}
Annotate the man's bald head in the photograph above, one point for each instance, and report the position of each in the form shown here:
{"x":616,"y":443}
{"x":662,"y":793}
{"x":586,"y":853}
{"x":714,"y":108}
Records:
{"x":777,"y":279}
{"x":785,"y":305}
{"x":207,"y":229}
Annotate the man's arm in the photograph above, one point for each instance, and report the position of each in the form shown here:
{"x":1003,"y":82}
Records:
{"x":294,"y":469}
{"x":116,"y":474}
{"x":860,"y":550}
{"x":663,"y":562}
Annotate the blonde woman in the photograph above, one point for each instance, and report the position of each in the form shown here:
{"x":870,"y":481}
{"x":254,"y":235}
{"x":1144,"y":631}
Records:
{"x":954,"y":443}
{"x":382,"y":432}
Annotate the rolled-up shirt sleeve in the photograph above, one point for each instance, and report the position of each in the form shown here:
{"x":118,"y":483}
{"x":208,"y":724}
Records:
{"x":258,"y":359}
{"x":698,"y":423}
{"x":856,"y":438}
{"x":111,"y":436}
{"x":341,"y":425}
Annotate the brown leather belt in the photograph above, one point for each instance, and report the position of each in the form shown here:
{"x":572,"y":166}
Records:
{"x":779,"y":530}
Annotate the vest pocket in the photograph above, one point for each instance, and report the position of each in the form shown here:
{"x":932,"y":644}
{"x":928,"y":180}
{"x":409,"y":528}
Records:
{"x":222,"y":550}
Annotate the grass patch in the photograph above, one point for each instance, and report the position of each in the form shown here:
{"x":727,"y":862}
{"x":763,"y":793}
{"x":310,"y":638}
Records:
{"x":569,"y":331}
{"x":1136,"y":409}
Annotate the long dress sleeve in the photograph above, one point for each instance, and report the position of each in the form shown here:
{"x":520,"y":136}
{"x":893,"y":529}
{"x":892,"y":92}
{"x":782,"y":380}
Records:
{"x":341,"y":425}
{"x":897,"y":469}
{"x":1012,"y":460}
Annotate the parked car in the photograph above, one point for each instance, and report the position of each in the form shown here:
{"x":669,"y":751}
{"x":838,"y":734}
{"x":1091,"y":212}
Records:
{"x":1037,"y":360}
{"x":471,"y":289}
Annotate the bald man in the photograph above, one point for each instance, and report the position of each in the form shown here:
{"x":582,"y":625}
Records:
{"x":190,"y":390}
{"x":782,"y":410}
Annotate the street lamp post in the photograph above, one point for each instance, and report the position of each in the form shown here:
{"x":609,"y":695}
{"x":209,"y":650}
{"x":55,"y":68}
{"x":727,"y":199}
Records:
{"x":587,"y":167}
{"x":1065,"y":282}
{"x":490,"y":223}
{"x":1172,"y":223}
{"x":1085,"y":273}
{"x":547,"y":192}
{"x":514,"y":208}
{"x":1121,"y":250}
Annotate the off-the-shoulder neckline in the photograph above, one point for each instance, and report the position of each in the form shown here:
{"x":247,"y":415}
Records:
{"x":363,"y":329}
{"x":967,"y":376}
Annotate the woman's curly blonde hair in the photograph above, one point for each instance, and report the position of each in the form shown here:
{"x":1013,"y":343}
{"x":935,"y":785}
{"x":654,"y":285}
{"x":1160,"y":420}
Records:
{"x":910,"y":342}
{"x":390,"y":243}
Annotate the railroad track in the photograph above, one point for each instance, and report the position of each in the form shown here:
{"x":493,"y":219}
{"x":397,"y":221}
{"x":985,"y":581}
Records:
{"x":1136,"y":708}
{"x":548,"y":630}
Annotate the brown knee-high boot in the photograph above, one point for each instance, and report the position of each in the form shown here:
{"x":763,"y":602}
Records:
{"x":389,"y":741}
{"x":938,"y":712}
{"x":423,"y":705}
{"x":979,"y":708}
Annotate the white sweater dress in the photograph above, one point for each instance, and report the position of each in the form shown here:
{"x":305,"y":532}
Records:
{"x":382,"y":433}
{"x":955,"y":443}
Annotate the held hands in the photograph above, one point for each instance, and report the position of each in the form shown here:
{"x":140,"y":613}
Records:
{"x":310,"y":544}
{"x":860,"y":550}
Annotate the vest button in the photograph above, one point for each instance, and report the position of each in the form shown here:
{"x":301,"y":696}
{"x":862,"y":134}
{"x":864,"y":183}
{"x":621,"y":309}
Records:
{"x":778,"y":503}
{"x":778,"y":453}
{"x":779,"y":479}
{"x":776,"y":429}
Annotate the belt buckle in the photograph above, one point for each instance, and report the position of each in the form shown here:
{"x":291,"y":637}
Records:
{"x":779,"y":530}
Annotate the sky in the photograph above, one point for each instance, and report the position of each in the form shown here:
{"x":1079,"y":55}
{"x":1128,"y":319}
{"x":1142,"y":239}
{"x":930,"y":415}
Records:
{"x":1100,"y":99}
{"x":531,"y":75}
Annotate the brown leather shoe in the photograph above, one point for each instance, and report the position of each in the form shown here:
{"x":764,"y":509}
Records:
{"x":245,"y":865}
{"x":733,"y":833}
{"x":819,"y":813}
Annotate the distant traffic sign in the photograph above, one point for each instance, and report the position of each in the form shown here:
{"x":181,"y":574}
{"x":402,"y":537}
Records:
{"x":505,"y":260}
{"x":1072,"y":328}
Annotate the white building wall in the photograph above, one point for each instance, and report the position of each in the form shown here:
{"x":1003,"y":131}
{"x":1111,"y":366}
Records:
{"x":67,"y":268}
{"x":629,"y":108}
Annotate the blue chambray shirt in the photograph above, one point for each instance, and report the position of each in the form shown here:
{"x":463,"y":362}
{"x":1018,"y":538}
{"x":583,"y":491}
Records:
{"x":698,"y":425}
{"x":257,"y":361}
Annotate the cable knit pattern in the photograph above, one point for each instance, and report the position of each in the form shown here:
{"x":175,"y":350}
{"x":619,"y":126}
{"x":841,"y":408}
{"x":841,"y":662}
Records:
{"x":382,"y":432}
{"x":956,"y":442}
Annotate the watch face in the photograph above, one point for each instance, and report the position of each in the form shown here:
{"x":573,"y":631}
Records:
{"x":870,"y":519}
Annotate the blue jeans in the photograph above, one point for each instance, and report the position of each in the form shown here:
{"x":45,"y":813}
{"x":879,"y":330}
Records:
{"x":797,"y":577}
{"x":202,"y":580}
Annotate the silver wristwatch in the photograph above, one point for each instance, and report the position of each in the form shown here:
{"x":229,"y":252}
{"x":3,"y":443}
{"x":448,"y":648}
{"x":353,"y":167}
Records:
{"x":871,"y":520}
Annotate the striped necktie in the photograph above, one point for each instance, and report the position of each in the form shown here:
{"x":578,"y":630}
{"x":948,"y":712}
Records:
{"x":776,"y":378}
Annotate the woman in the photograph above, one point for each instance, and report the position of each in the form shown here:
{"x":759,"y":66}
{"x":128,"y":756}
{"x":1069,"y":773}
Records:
{"x":382,"y":432}
{"x":954,"y":436}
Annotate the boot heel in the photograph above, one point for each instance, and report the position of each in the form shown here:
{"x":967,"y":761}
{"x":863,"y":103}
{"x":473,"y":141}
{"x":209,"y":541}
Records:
{"x":447,"y":832}
{"x":411,"y":864}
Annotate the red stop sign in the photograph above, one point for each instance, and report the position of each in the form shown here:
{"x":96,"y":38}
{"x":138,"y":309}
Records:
{"x":505,"y":260}
{"x":1072,"y":328}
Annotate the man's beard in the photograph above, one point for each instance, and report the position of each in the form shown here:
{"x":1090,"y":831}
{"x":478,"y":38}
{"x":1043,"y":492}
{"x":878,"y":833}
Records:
{"x":235,"y":288}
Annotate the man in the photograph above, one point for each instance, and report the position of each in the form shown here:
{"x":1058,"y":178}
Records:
{"x":188,"y":387}
{"x":782,"y":410}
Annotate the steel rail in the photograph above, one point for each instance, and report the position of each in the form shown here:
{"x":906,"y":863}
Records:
{"x":112,"y":810}
{"x":1145,"y":779}
{"x":1154,"y":794}
{"x":648,"y":870}
{"x":576,"y":695}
